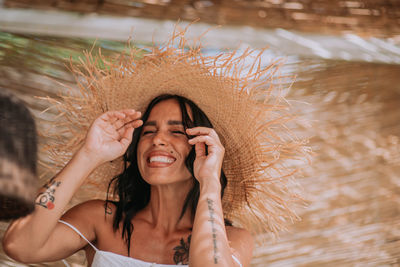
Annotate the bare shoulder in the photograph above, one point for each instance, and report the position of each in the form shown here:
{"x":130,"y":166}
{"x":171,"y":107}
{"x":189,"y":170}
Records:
{"x":241,"y":243}
{"x":238,"y":234}
{"x":89,"y":216}
{"x":91,"y":209}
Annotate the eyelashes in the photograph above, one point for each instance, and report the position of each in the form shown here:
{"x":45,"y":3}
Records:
{"x":174,"y":132}
{"x":147,"y":132}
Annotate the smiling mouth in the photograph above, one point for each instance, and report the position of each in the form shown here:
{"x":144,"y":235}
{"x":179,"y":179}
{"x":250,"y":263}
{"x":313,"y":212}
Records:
{"x":161,"y":159}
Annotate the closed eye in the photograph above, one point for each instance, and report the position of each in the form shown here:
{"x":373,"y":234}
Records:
{"x":178,"y":132}
{"x":147,"y":132}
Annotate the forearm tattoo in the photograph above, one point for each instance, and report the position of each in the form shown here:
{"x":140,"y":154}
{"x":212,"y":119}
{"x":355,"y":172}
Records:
{"x":210,"y":203}
{"x":46,"y":199}
{"x":181,"y":255}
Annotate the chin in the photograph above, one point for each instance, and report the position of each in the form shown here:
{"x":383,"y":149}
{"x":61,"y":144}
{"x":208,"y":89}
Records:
{"x":165,"y":180}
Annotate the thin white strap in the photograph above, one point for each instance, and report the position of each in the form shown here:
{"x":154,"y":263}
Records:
{"x":79,"y":233}
{"x":66,"y":263}
{"x":237,"y":260}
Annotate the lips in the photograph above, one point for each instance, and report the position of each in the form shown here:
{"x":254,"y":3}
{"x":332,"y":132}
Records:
{"x":160,"y":159}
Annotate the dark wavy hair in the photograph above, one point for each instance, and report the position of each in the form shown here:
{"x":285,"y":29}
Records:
{"x":134,"y":192}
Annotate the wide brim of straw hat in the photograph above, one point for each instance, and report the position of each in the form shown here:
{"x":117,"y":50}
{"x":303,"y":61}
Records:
{"x":236,"y":92}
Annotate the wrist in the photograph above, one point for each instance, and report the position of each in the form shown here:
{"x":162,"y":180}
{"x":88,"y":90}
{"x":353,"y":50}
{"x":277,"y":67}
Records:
{"x":88,"y":158}
{"x":210,"y":184}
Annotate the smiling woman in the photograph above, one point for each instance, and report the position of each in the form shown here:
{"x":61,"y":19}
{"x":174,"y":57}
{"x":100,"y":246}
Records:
{"x":158,"y":161}
{"x":188,"y":181}
{"x":161,"y":156}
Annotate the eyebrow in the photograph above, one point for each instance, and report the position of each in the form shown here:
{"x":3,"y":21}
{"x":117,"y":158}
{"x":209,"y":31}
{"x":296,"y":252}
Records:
{"x":170,"y":122}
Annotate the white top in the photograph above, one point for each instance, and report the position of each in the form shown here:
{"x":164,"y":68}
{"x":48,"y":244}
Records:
{"x":109,"y":259}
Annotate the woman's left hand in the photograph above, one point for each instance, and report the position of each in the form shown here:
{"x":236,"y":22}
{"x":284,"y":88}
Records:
{"x":206,"y":165}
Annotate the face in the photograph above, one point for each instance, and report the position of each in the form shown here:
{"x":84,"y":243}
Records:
{"x":163,"y":146}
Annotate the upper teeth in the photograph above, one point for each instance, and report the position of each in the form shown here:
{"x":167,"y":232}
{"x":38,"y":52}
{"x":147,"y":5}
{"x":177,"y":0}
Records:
{"x":161,"y":159}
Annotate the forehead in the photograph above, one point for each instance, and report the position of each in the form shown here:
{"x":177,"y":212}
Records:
{"x":165,"y":110}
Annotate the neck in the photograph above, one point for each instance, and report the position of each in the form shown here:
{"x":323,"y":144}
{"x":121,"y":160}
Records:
{"x":165,"y":207}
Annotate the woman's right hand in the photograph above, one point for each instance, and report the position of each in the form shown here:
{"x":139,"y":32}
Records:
{"x":110,"y":135}
{"x":36,"y":237}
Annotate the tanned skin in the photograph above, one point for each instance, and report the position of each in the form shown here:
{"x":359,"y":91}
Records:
{"x":159,"y":235}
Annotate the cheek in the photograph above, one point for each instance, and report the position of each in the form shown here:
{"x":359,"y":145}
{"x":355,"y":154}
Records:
{"x":142,"y":145}
{"x":139,"y":154}
{"x":187,"y":152}
{"x":185,"y":147}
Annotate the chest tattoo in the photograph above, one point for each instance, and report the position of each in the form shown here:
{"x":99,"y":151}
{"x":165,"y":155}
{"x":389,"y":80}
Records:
{"x":181,"y":255}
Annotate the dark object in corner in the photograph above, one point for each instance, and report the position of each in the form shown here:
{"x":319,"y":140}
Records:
{"x":18,"y":155}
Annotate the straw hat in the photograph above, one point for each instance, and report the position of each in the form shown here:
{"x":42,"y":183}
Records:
{"x":17,"y":158}
{"x":240,"y":102}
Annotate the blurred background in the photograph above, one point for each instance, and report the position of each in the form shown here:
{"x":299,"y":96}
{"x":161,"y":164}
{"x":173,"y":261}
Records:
{"x":346,"y":59}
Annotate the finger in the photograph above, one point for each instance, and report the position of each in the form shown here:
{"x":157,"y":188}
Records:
{"x":208,"y":140}
{"x":112,"y":116}
{"x":111,"y":131}
{"x":127,"y":137}
{"x":130,"y":112}
{"x":118,"y":124}
{"x":131,"y":115}
{"x":202,"y":131}
{"x":134,"y":124}
{"x":200,"y":149}
{"x":213,"y":145}
{"x":124,"y":115}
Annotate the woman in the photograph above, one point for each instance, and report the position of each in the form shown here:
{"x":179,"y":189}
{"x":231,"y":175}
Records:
{"x":167,"y":206}
{"x":162,"y":230}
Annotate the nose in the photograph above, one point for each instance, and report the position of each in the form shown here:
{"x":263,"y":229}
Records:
{"x":160,"y":139}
